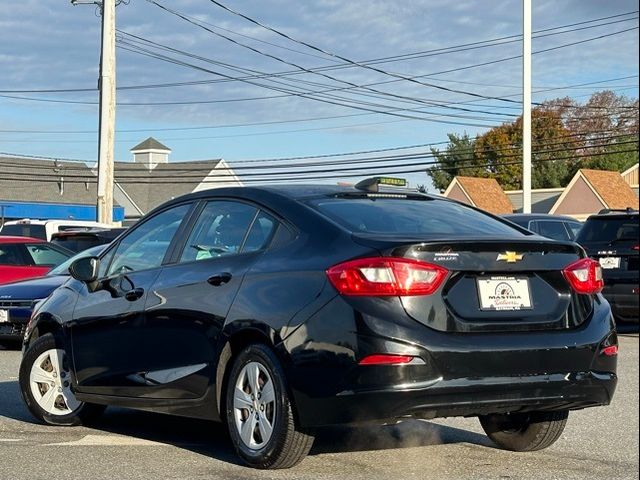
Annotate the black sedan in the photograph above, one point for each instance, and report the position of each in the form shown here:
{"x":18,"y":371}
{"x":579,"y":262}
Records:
{"x":279,"y":309}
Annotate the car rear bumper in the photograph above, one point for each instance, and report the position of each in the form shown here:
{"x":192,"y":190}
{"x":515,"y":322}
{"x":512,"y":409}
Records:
{"x":456,"y":374}
{"x":625,"y":304}
{"x":450,"y":398}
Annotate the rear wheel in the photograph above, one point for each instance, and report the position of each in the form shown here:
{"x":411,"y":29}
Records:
{"x":525,"y":432}
{"x":259,"y":413}
{"x":45,"y":383}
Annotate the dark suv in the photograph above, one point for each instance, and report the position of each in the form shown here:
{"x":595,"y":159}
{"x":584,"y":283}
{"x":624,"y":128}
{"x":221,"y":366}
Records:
{"x":611,"y":237}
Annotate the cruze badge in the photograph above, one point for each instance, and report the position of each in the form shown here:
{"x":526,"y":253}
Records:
{"x":510,"y":257}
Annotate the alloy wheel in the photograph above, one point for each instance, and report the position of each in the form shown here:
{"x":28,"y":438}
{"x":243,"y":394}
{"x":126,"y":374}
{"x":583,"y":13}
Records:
{"x":50,"y":383}
{"x":254,"y":405}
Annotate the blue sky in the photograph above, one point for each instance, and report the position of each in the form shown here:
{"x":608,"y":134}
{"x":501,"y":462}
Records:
{"x":47,"y":44}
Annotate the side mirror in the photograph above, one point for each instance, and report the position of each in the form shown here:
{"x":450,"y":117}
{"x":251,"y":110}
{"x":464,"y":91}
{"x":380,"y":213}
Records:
{"x":85,"y":269}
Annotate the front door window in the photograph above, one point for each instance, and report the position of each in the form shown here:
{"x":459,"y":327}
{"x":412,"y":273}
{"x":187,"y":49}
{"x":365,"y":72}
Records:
{"x":146,"y":246}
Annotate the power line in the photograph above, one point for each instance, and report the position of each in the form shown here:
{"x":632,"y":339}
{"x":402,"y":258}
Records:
{"x":315,"y":177}
{"x":344,"y":59}
{"x":273,"y":122}
{"x":187,"y":173}
{"x":614,"y":132}
{"x":393,"y":58}
{"x":289,"y":93}
{"x":330,"y":88}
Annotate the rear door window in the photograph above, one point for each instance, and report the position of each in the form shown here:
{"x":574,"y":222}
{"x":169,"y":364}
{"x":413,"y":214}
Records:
{"x":410,"y":217}
{"x":260,"y":233}
{"x":219,"y":231}
{"x":551,"y":229}
{"x":43,"y":254}
{"x":13,"y":254}
{"x":574,"y":228}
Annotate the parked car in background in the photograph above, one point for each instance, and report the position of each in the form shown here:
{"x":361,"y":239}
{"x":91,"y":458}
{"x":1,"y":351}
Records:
{"x":551,"y":226}
{"x":280,"y":309}
{"x":79,"y":240}
{"x":17,"y":299}
{"x":611,"y":237}
{"x":25,"y":257}
{"x":44,"y":229}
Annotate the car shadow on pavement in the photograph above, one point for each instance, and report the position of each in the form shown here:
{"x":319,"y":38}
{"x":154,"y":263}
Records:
{"x":11,"y":405}
{"x":211,"y":439}
{"x":408,"y":433}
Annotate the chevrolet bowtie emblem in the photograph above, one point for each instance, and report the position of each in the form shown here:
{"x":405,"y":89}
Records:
{"x":510,"y":257}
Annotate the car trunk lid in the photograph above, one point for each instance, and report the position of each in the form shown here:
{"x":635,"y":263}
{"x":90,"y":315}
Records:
{"x":493,"y":284}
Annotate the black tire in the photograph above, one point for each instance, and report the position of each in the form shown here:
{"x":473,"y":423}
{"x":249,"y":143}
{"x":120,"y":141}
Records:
{"x":83,"y":415}
{"x":525,"y":432}
{"x":288,"y":444}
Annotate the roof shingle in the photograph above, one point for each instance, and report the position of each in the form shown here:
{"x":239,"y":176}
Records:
{"x":486,"y":193}
{"x":150,"y":144}
{"x":611,"y":187}
{"x":150,"y":188}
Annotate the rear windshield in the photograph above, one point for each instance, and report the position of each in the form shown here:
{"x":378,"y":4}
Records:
{"x":609,"y":229}
{"x":410,"y":217}
{"x":25,"y":230}
{"x":77,"y":243}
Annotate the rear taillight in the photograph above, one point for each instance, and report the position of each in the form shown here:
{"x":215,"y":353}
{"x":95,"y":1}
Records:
{"x":610,"y":351}
{"x":636,"y":247}
{"x":585,"y":276}
{"x":386,"y":276}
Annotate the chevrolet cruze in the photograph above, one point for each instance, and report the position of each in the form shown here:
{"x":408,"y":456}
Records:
{"x":280,"y":309}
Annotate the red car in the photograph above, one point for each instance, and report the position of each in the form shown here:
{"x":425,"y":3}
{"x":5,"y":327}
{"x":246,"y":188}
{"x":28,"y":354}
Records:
{"x":26,"y":257}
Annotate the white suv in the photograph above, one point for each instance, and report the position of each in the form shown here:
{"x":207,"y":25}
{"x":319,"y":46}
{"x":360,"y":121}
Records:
{"x":44,"y":229}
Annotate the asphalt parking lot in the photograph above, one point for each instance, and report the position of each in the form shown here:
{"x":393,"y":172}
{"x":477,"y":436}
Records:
{"x":598,"y":443}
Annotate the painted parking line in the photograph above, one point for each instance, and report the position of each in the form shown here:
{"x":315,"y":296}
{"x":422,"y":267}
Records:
{"x":109,"y":441}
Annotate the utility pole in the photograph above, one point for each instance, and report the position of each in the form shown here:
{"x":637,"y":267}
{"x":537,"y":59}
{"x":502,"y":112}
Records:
{"x":526,"y":106}
{"x":107,"y":120}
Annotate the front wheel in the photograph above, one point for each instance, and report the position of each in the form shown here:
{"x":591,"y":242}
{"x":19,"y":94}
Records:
{"x":525,"y":432}
{"x":45,"y":383}
{"x":259,"y":413}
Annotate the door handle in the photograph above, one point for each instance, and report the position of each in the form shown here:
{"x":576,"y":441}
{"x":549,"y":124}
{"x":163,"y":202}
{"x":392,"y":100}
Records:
{"x":135,"y":294}
{"x":219,"y":279}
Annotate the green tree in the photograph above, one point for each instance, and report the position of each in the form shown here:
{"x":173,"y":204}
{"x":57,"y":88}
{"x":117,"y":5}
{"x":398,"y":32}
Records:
{"x":566,"y":136}
{"x":457,"y":159}
{"x":552,"y":148}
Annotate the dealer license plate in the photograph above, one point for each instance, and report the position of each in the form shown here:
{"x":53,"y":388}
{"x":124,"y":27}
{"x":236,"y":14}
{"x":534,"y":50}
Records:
{"x":504,"y":293}
{"x":608,"y":263}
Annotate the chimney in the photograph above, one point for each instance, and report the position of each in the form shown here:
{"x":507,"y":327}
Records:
{"x":150,"y":152}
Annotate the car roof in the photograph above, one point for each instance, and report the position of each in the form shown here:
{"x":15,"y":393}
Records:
{"x":13,"y":239}
{"x":539,"y":216}
{"x":37,"y":221}
{"x":295,"y":192}
{"x":599,"y":216}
